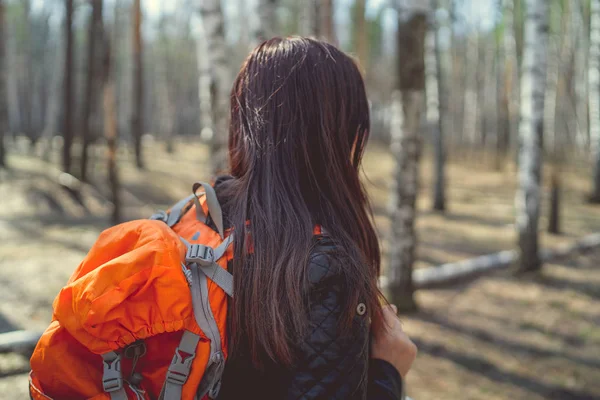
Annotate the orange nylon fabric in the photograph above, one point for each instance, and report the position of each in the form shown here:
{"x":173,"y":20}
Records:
{"x":129,"y":287}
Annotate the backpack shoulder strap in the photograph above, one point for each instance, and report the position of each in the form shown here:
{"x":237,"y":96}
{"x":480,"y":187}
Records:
{"x":212,"y":202}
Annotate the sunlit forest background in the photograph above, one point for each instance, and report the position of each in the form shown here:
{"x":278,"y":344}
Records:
{"x":483,"y":165}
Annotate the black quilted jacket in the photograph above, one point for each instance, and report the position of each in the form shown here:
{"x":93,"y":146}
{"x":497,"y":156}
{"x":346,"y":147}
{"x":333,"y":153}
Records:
{"x":330,"y":364}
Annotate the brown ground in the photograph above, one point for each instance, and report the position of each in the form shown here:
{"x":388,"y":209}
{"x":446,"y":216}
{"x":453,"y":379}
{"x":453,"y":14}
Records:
{"x":496,"y":338}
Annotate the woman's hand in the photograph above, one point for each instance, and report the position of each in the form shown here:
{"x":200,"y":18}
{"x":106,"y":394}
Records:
{"x":391,"y":344}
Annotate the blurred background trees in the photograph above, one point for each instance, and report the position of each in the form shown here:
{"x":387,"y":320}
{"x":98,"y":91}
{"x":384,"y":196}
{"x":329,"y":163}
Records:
{"x":498,"y":84}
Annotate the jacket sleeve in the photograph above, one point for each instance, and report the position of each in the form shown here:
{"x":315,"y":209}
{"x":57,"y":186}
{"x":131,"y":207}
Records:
{"x":385,"y":382}
{"x":332,"y":364}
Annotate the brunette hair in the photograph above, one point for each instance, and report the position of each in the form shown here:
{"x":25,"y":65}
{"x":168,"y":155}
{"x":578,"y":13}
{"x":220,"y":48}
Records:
{"x":299,"y":126}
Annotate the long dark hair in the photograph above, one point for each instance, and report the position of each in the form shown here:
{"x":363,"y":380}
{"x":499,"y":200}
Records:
{"x":299,"y":125}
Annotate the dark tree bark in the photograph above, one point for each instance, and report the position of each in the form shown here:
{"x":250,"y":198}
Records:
{"x":138,"y":83}
{"x":110,"y":131}
{"x":3,"y":98}
{"x":89,"y":102}
{"x":554,"y":217}
{"x":327,"y":22}
{"x":68,"y":88}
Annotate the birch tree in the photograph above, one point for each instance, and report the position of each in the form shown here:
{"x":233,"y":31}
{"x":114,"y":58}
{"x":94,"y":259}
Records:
{"x":214,"y":29}
{"x":53,"y":103}
{"x":204,"y":85}
{"x":531,"y":128}
{"x":407,"y":109}
{"x":3,"y":94}
{"x":93,"y":62}
{"x":138,"y":83}
{"x":583,"y":67}
{"x":594,"y":96}
{"x":68,"y":87}
{"x":267,"y":26}
{"x":471,"y":124}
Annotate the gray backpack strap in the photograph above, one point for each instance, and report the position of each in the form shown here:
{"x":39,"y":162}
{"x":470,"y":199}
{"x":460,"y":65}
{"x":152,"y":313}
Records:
{"x":205,"y":258}
{"x":214,"y":208}
{"x":205,"y":319}
{"x":180,"y":367}
{"x":176,"y":212}
{"x":112,"y":377}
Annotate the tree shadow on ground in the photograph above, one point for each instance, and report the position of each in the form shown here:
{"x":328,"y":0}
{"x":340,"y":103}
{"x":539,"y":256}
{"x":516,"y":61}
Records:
{"x":572,"y":340}
{"x":490,"y":371}
{"x":36,"y":236}
{"x":504,"y":344}
{"x":478,"y":219}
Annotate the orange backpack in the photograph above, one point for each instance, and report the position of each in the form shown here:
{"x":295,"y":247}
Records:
{"x":144,"y":315}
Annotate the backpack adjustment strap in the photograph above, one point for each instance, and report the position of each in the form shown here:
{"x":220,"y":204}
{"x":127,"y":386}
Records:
{"x":200,"y":254}
{"x":112,"y":377}
{"x":180,"y":367}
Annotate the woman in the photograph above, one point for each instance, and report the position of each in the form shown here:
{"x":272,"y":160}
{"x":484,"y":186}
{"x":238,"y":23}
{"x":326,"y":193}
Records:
{"x":306,"y":268}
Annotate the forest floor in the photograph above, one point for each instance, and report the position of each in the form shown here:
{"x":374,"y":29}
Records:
{"x":535,"y":337}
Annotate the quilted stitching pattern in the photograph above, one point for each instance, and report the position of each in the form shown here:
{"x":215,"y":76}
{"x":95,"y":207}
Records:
{"x":331,"y":365}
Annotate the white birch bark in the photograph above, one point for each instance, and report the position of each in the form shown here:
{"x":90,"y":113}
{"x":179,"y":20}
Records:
{"x":594,"y":96}
{"x":305,"y":26}
{"x":551,"y":92}
{"x":52,"y":104}
{"x":533,"y":83}
{"x":213,"y":23}
{"x":471,"y":103}
{"x":204,"y":85}
{"x":406,"y":148}
{"x":488,"y":86}
{"x":583,"y":107}
{"x":12,"y":87}
{"x":267,"y":25}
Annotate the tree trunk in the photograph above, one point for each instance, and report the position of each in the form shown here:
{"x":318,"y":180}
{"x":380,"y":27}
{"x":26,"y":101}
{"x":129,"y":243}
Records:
{"x":110,"y":131}
{"x":583,"y":67}
{"x":531,"y":128}
{"x":594,"y":97}
{"x":204,"y":87}
{"x":52,"y":103}
{"x":68,"y":88}
{"x":510,"y":89}
{"x":554,"y":217}
{"x":327,"y":22}
{"x":268,"y":25}
{"x":406,"y":148}
{"x":89,"y":102}
{"x":471,"y":102}
{"x":28,"y":81}
{"x":12,"y":79}
{"x":138,"y":83}
{"x":362,"y":38}
{"x":214,"y":29}
{"x":163,"y":90}
{"x":437,"y":108}
{"x":558,"y":52}
{"x":3,"y":95}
